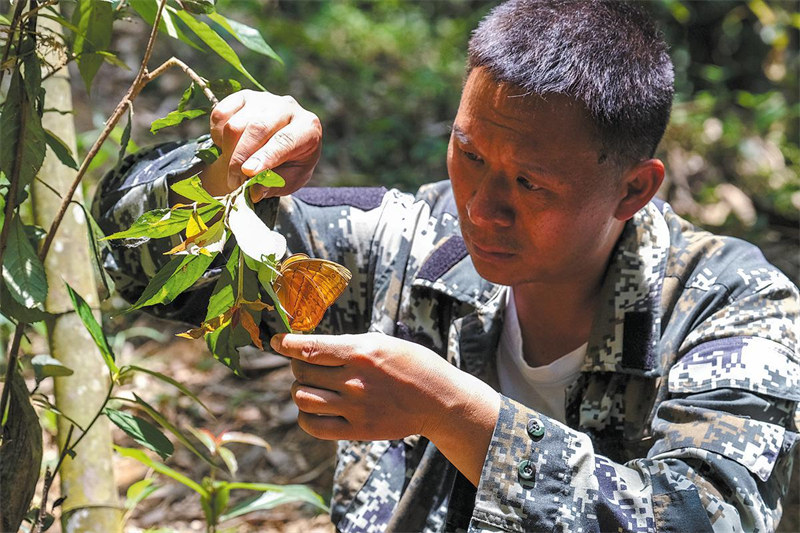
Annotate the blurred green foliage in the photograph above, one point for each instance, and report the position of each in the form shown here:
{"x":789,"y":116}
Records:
{"x":384,"y":76}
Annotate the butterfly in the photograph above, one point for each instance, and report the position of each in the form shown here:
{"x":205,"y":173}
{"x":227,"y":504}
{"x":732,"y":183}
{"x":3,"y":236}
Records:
{"x":306,"y":287}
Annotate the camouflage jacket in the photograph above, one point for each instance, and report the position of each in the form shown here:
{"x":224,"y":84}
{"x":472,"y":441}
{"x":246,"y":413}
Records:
{"x":683,"y":417}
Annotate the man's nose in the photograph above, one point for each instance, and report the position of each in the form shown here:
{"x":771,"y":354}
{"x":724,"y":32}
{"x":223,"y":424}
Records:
{"x":489,"y":206}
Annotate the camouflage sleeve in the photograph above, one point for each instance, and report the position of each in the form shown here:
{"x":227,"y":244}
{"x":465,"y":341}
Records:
{"x":723,"y":435}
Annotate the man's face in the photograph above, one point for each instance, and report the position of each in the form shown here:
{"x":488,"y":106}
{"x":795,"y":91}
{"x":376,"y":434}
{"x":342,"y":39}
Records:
{"x":535,"y":203}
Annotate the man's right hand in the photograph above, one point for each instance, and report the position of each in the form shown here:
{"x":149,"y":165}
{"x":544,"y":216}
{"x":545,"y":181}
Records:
{"x":257,"y":131}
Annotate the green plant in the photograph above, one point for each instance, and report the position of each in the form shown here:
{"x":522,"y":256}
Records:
{"x":85,"y":38}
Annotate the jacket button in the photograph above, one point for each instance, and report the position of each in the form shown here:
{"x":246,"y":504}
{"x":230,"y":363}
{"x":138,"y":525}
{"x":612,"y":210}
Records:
{"x":535,"y":428}
{"x":526,"y":470}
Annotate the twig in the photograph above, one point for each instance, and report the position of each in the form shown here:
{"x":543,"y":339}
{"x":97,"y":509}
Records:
{"x":48,"y":481}
{"x":175,"y":62}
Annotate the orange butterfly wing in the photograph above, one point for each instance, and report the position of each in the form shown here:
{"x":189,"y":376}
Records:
{"x":306,"y":287}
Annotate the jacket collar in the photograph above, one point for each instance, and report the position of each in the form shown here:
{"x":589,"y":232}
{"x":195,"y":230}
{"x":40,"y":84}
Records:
{"x":626,"y":329}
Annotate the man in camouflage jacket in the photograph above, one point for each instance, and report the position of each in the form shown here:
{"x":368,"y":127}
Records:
{"x":683,"y":418}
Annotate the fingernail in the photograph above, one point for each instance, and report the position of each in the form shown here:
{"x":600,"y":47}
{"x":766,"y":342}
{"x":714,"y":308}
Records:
{"x":251,"y":164}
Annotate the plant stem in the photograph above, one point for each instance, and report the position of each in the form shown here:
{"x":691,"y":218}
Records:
{"x":49,"y":477}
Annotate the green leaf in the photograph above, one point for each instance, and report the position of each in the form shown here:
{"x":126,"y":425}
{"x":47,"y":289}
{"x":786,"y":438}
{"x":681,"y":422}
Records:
{"x":20,"y":454}
{"x":61,"y":20}
{"x":138,"y":492}
{"x":141,"y":431}
{"x":267,"y":178}
{"x":223,"y":297}
{"x":166,"y":424}
{"x":166,"y":379}
{"x":272,"y":496}
{"x":108,"y":57}
{"x":163,"y":222}
{"x":265,"y":277}
{"x":147,"y":10}
{"x":23,"y":148}
{"x":224,"y":87}
{"x":46,"y":366}
{"x":187,"y":95}
{"x":249,"y":37}
{"x":192,"y":188}
{"x":94,"y":329}
{"x":173,"y":278}
{"x":174,"y":118}
{"x":93,"y":19}
{"x":4,"y":20}
{"x":215,"y":42}
{"x":60,"y":149}
{"x":13,"y":310}
{"x":198,"y":7}
{"x":161,"y":468}
{"x":23,"y":272}
{"x":210,"y":154}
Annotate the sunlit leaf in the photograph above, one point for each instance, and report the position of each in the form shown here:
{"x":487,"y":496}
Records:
{"x":163,"y":222}
{"x":215,"y":42}
{"x":138,"y":492}
{"x":173,"y":278}
{"x":205,"y":437}
{"x":229,"y":459}
{"x":108,"y":57}
{"x":254,"y":238}
{"x":192,"y":189}
{"x":249,"y":37}
{"x":161,"y":468}
{"x":176,"y":117}
{"x":23,"y":272}
{"x":267,"y":178}
{"x":273,"y":495}
{"x":93,"y":19}
{"x":141,"y":431}
{"x":12,"y":309}
{"x":166,"y":379}
{"x":45,"y":366}
{"x":219,"y":321}
{"x":60,"y":149}
{"x":243,"y":438}
{"x":94,"y":329}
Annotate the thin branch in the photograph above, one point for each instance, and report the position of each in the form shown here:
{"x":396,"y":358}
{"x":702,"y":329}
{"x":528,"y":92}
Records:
{"x":175,"y":62}
{"x":48,"y":480}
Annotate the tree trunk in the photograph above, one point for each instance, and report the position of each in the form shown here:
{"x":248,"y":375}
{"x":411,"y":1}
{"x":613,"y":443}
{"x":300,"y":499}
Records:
{"x":92,"y":504}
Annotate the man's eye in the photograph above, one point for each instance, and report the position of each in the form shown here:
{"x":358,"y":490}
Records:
{"x":471,"y":156}
{"x":525,"y":182}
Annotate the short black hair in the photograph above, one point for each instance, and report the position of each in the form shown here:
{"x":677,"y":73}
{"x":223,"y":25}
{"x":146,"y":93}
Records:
{"x":607,"y":55}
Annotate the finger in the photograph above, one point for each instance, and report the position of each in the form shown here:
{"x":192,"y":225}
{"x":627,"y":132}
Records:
{"x":325,"y":350}
{"x":324,"y":427}
{"x":316,"y":401}
{"x":322,"y":377}
{"x":222,"y":112}
{"x":244,"y":135}
{"x":299,"y":140}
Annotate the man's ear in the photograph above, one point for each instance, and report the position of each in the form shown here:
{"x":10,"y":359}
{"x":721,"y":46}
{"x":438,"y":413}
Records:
{"x":640,"y":184}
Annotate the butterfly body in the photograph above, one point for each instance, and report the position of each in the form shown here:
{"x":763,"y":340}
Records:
{"x":306,"y":287}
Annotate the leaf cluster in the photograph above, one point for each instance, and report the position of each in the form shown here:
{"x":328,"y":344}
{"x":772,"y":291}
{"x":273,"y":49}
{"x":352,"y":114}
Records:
{"x":205,"y":223}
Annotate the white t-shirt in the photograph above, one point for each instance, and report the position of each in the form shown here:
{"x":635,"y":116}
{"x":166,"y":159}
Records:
{"x":542,"y":388}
